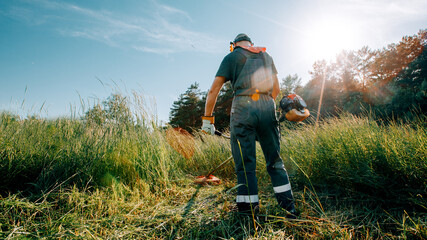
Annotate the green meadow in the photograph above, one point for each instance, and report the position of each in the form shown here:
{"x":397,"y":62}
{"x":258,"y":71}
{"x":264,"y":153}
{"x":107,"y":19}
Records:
{"x":77,"y":178}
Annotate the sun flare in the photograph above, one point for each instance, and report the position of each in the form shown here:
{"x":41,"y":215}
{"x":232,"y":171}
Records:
{"x":327,"y":38}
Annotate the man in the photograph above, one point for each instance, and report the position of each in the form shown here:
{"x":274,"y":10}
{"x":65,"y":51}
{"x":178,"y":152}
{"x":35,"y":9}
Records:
{"x":253,"y":77}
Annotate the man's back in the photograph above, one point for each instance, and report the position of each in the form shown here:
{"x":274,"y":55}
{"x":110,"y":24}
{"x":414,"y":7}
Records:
{"x":232,"y":64}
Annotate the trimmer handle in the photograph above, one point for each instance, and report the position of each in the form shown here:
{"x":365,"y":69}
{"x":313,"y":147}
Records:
{"x":218,"y":133}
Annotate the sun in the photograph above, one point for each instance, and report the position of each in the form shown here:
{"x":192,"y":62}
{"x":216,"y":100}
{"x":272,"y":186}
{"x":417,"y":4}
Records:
{"x":326,"y":38}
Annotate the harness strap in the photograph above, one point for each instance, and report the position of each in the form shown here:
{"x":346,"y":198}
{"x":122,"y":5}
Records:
{"x":259,"y":54}
{"x":245,"y":92}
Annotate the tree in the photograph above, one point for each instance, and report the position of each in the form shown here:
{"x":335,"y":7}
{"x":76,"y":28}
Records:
{"x":410,"y":85}
{"x":311,"y":92}
{"x":349,"y":70}
{"x":186,"y":112}
{"x":391,"y":81}
{"x":289,"y":84}
{"x":115,"y":110}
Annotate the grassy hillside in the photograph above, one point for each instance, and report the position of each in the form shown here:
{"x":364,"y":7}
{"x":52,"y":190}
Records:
{"x":353,"y":178}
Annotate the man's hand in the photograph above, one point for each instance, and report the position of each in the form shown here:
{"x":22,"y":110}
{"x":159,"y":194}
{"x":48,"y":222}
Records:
{"x":208,"y":125}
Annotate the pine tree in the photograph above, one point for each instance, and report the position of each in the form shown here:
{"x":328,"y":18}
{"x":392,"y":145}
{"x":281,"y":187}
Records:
{"x":186,"y":112}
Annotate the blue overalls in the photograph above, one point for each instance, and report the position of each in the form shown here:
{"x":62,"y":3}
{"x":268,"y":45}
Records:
{"x":253,"y":118}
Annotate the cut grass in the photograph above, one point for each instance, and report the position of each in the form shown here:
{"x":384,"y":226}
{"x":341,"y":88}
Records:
{"x":189,"y":211}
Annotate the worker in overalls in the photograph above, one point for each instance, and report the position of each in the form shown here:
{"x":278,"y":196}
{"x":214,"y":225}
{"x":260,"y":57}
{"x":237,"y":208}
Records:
{"x":253,"y":77}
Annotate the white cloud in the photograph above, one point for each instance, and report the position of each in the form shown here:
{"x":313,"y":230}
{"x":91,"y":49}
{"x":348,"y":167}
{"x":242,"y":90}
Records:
{"x":156,"y":32}
{"x":161,"y":51}
{"x":171,"y":10}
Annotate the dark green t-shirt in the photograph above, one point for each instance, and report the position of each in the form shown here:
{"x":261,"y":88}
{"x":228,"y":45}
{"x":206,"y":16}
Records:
{"x":233,"y":63}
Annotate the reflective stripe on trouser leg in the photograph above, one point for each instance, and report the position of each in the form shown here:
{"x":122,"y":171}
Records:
{"x":282,"y":187}
{"x":247,"y":203}
{"x":247,"y":199}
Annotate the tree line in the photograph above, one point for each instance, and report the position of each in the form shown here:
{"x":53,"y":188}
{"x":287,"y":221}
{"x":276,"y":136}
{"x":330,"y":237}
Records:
{"x":392,"y":82}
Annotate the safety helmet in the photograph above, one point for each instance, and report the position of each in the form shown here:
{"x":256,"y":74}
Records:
{"x":294,"y":108}
{"x":242,"y":37}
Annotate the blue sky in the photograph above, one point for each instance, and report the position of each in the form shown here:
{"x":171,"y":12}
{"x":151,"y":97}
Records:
{"x":55,"y":54}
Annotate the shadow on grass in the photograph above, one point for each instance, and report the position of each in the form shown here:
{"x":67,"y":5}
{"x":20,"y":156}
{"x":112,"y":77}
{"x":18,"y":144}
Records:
{"x":190,"y":203}
{"x":213,"y":224}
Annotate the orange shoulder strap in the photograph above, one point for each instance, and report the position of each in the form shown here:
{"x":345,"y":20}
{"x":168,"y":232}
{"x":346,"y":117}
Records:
{"x":254,"y":49}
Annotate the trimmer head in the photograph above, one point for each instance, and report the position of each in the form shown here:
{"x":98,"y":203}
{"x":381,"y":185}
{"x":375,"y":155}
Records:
{"x":211,"y":179}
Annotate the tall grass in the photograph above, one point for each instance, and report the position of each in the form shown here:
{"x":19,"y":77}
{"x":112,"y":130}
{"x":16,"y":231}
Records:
{"x":360,"y":156}
{"x":37,"y":154}
{"x":353,"y":178}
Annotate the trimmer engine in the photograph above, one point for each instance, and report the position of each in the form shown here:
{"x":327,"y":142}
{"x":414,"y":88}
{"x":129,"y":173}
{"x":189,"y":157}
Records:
{"x":293,"y":108}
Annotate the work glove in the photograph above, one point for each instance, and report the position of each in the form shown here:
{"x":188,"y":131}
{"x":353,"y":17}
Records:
{"x":208,"y":124}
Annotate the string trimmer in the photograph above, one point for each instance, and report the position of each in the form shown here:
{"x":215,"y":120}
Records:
{"x":209,"y":178}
